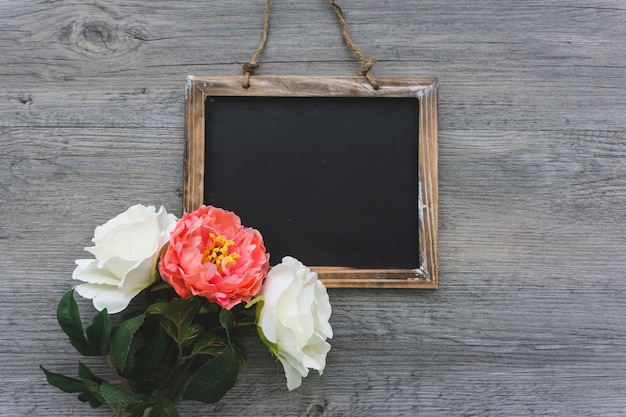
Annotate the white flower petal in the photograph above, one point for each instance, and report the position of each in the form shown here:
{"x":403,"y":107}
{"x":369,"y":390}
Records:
{"x":294,"y":377}
{"x":134,"y":241}
{"x":88,"y":271}
{"x":133,"y":214}
{"x":323,"y":310}
{"x":291,"y":357}
{"x":141,"y":276}
{"x":293,"y":318}
{"x":106,"y":296}
{"x":315,"y":354}
{"x":277,"y":281}
{"x":126,"y":250}
{"x":117,"y":266}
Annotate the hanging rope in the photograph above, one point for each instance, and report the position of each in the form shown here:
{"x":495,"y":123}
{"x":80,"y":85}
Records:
{"x":250,"y":68}
{"x":367,"y":64}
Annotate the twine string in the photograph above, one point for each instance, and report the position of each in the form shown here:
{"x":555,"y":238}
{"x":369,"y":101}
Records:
{"x":250,"y":68}
{"x":367,"y":63}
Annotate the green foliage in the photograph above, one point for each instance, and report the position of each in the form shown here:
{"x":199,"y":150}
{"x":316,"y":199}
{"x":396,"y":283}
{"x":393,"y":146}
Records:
{"x":85,"y":373}
{"x":98,"y":339}
{"x":114,"y":395}
{"x":93,"y":389}
{"x":173,"y":339}
{"x":166,"y":407}
{"x":122,"y":339}
{"x":153,"y":362}
{"x":227,"y":321}
{"x":208,"y":344}
{"x":177,"y":318}
{"x":211,"y":382}
{"x":64,"y":383}
{"x":73,"y":385}
{"x":99,"y":333}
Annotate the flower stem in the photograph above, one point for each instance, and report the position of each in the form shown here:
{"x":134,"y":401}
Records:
{"x":181,"y":378}
{"x":245,"y":324}
{"x":176,"y":363}
{"x":120,"y":379}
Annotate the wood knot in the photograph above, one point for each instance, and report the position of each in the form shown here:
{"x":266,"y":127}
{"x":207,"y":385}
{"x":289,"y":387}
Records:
{"x":102,"y":37}
{"x":316,"y":410}
{"x":99,"y":34}
{"x":26,"y":100}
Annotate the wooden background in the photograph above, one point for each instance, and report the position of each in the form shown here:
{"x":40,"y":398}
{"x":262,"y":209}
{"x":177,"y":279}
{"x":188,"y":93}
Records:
{"x":530,"y":315}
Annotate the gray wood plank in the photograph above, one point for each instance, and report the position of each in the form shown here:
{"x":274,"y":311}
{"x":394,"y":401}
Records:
{"x":502,"y":65}
{"x":529,"y":317}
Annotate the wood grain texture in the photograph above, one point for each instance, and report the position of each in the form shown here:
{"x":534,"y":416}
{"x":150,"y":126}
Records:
{"x":529,"y":316}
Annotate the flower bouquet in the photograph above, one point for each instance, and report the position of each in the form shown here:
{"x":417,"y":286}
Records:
{"x":182,"y":288}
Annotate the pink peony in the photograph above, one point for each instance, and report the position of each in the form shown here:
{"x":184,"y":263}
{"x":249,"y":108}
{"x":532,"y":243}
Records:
{"x":212,"y":255}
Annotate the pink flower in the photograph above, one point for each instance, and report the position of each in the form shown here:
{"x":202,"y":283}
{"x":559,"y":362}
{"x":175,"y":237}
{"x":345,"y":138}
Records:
{"x":212,"y":255}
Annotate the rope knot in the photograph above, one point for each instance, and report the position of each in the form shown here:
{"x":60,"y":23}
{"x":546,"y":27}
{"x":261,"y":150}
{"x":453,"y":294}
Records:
{"x":250,"y":68}
{"x":368,"y":65}
{"x":366,"y":69}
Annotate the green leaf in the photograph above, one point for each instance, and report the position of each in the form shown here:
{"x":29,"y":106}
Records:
{"x":93,"y":388}
{"x":68,"y":384}
{"x":243,"y":359}
{"x":152,"y":362}
{"x":192,"y":333}
{"x":96,"y":390}
{"x":99,"y":332}
{"x":122,"y":339}
{"x":177,"y":316}
{"x":142,"y":409}
{"x":212,"y":380}
{"x":68,"y":317}
{"x":116,"y":395}
{"x":208,"y":344}
{"x":85,"y":348}
{"x":64,"y":383}
{"x":85,"y":373}
{"x":88,"y":397}
{"x":227,"y":321}
{"x":166,"y":407}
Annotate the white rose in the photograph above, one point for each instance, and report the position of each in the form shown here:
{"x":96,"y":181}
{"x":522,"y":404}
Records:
{"x":293,"y":319}
{"x":127,"y":249}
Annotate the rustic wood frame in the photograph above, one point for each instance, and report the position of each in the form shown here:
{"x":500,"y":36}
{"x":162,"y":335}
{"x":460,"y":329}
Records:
{"x":425,"y":275}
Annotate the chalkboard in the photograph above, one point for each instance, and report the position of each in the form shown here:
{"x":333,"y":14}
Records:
{"x":331,"y":171}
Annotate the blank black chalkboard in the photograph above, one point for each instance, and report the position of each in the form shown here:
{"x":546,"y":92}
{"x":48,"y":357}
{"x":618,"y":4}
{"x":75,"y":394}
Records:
{"x":330,"y":170}
{"x":331,"y":181}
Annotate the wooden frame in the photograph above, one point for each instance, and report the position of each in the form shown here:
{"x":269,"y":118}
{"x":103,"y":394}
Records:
{"x":199,"y":88}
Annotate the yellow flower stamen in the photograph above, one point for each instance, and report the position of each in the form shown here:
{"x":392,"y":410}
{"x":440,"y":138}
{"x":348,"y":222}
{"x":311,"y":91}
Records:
{"x":217,"y":252}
